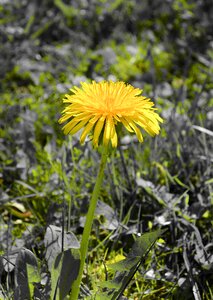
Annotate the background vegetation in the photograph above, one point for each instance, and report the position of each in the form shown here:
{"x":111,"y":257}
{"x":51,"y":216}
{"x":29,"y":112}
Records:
{"x":164,"y":47}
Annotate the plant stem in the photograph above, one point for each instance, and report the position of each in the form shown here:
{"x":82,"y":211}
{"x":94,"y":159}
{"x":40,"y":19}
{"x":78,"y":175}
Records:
{"x":88,"y":223}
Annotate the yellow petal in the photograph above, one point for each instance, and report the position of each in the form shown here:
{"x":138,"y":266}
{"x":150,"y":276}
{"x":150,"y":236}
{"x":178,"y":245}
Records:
{"x":114,"y":137}
{"x":126,"y":124}
{"x":107,"y":130}
{"x":136,"y":130}
{"x":97,"y":130}
{"x":78,"y":127}
{"x":64,"y":118}
{"x":87,"y":129}
{"x":69,"y":126}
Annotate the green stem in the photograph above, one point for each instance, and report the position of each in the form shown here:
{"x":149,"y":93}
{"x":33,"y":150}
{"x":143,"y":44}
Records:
{"x":88,"y":224}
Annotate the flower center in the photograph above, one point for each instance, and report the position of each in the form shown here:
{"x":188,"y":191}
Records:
{"x":108,"y":101}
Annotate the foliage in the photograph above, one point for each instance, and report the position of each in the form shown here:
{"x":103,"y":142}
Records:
{"x":126,"y":269}
{"x":164,"y":47}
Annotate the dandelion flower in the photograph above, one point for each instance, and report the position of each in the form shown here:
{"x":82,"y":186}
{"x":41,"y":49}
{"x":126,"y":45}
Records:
{"x":98,"y":108}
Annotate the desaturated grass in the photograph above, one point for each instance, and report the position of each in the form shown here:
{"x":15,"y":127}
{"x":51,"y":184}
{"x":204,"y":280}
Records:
{"x":166,"y":182}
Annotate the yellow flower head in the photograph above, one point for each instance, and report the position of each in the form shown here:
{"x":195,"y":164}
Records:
{"x":99,"y":107}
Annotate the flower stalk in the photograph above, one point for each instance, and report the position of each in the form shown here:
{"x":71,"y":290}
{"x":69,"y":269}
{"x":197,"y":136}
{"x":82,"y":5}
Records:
{"x":88,"y":224}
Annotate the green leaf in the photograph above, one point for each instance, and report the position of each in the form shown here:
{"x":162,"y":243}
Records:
{"x":56,"y":241}
{"x":64,"y":271}
{"x":110,"y":284}
{"x":26,"y":262}
{"x":124,"y":264}
{"x":125,"y":269}
{"x":33,"y":276}
{"x":102,"y":297}
{"x":143,"y":244}
{"x":68,"y":10}
{"x":63,"y":259}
